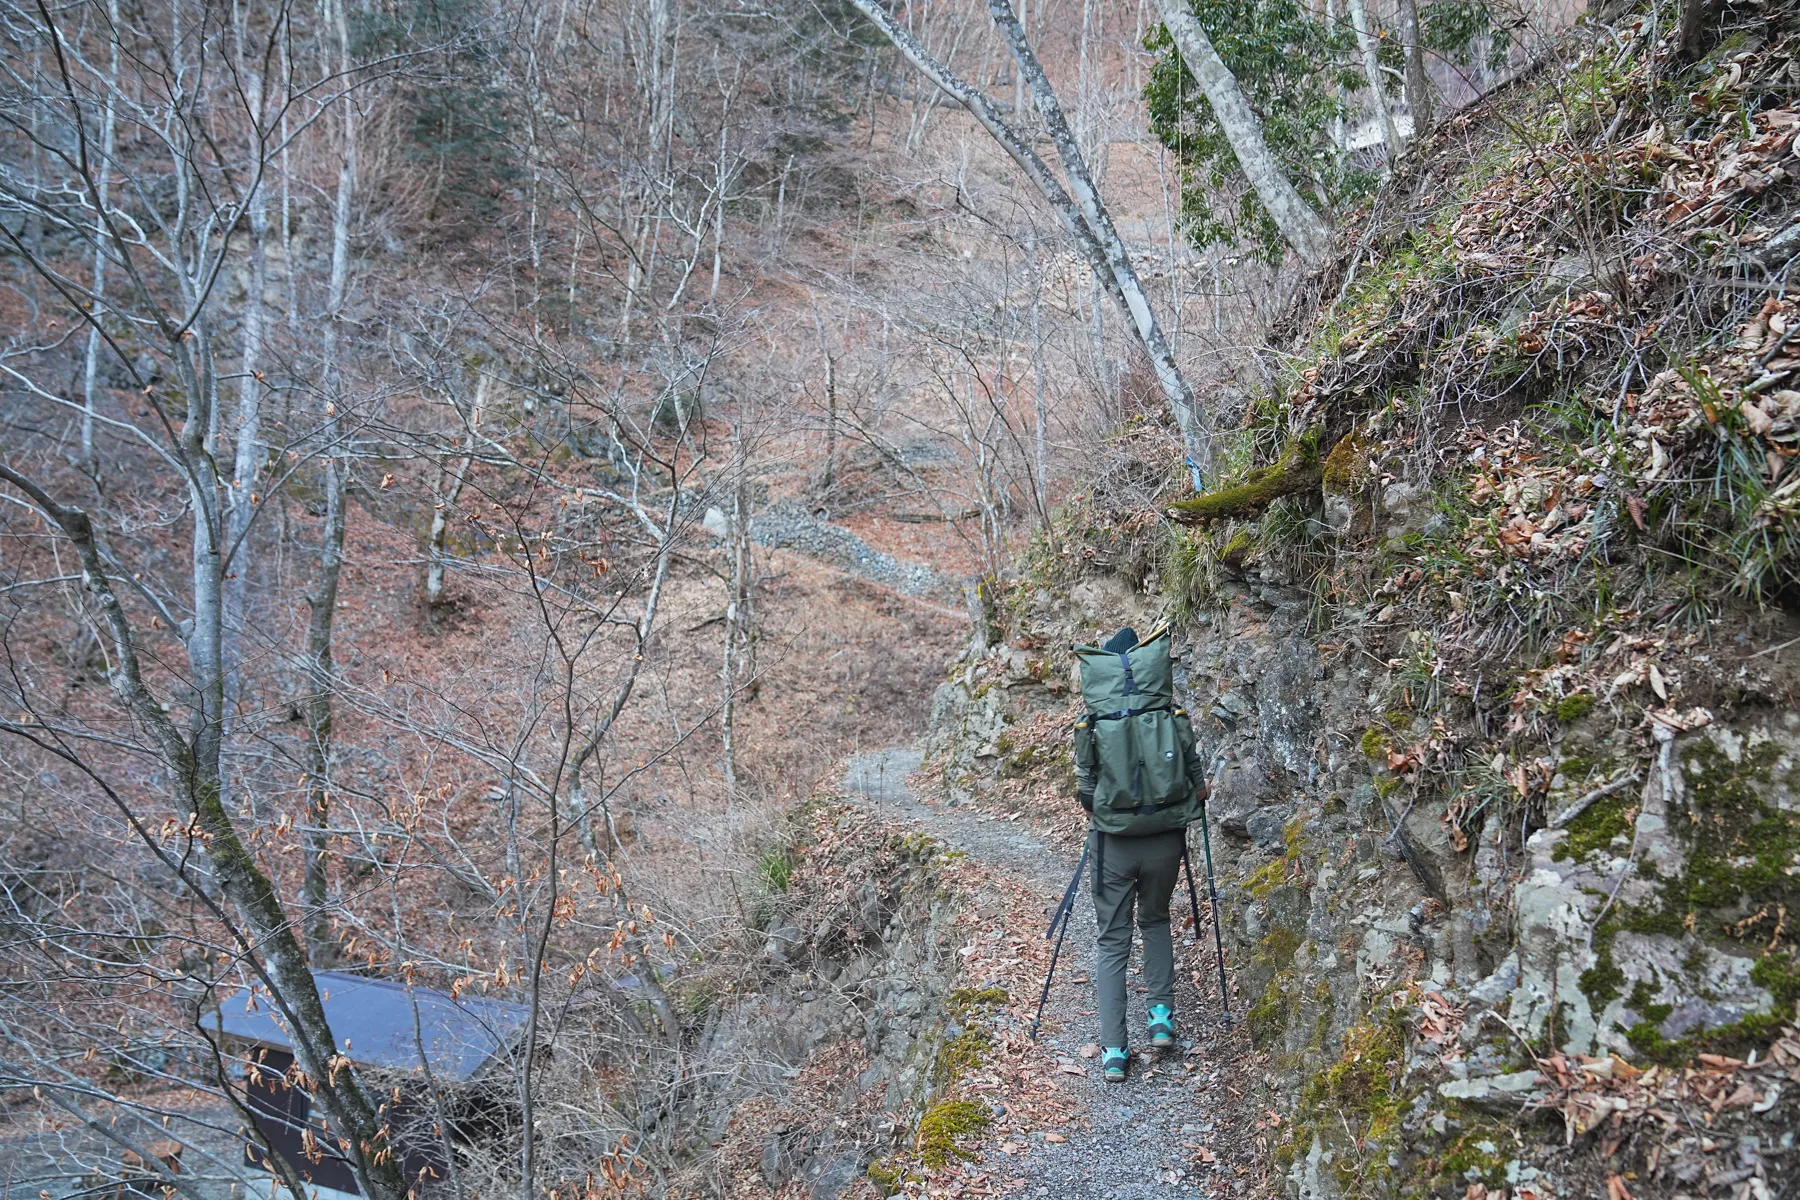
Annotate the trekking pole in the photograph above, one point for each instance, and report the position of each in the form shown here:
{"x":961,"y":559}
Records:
{"x":1061,"y":919}
{"x":1068,"y":900}
{"x":1193,"y":896}
{"x":1212,"y":894}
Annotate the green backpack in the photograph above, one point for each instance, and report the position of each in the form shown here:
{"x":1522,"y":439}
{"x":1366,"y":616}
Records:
{"x":1134,"y":743}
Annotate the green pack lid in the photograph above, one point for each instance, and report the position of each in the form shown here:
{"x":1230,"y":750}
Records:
{"x":1132,"y":680}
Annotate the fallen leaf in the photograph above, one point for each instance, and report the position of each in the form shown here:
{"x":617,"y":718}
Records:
{"x":1057,"y":1138}
{"x":1657,"y":684}
{"x":1091,"y":1050}
{"x":1071,"y":1069}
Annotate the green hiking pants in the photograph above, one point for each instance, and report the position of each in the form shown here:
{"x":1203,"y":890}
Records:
{"x":1133,"y":872}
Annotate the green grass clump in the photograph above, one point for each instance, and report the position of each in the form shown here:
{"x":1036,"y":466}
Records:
{"x":775,"y":868}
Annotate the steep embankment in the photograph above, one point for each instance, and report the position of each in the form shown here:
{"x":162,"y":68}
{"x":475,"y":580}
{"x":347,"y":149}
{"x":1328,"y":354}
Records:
{"x":1492,"y":619}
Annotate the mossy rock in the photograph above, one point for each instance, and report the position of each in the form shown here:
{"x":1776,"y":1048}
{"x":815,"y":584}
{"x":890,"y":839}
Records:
{"x":1268,"y":1018}
{"x":1346,"y":469}
{"x":959,"y":1056}
{"x":1354,"y":1104}
{"x":941,"y":1126}
{"x":1738,"y":880}
{"x":1237,"y":550}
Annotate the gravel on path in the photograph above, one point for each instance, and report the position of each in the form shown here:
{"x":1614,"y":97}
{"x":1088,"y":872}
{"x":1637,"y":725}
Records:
{"x":1145,"y":1134}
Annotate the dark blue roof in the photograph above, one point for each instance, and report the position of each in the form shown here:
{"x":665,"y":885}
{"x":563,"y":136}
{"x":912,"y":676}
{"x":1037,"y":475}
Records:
{"x":372,"y":1020}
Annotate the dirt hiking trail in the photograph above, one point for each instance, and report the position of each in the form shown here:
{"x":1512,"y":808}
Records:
{"x":1149,"y":1138}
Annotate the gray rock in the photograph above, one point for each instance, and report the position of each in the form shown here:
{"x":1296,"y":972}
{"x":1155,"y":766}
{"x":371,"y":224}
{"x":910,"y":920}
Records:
{"x":1493,"y":1093}
{"x":1707,"y":989}
{"x":783,"y":942}
{"x":1267,"y":826}
{"x":836,"y":1176}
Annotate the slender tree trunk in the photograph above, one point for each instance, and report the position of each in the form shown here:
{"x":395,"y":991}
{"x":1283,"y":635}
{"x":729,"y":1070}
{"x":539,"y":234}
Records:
{"x":1337,"y":118}
{"x":1371,"y":64}
{"x":319,"y":668}
{"x":1303,"y":229}
{"x":737,"y":616}
{"x":1085,"y":221}
{"x":1418,"y":83}
{"x":435,"y":557}
{"x":1040,"y":397}
{"x":828,"y":478}
{"x":90,"y":459}
{"x":247,"y":458}
{"x":1691,"y":27}
{"x":582,"y":809}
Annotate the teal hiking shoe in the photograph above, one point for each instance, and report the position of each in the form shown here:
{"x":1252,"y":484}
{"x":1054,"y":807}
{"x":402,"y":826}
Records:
{"x":1112,"y":1064}
{"x":1162,"y":1026}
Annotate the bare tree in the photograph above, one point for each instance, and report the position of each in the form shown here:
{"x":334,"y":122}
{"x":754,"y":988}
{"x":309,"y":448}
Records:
{"x":1083,"y":216}
{"x":1418,"y":83}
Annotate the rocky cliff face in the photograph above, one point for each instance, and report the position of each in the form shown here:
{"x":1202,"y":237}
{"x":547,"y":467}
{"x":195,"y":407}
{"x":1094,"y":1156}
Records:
{"x":1402,"y":965}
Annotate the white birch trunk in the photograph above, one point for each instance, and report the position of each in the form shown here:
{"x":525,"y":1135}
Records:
{"x":1303,"y":229}
{"x":320,"y":672}
{"x":1196,"y":434}
{"x":90,"y":459}
{"x":1099,"y":244}
{"x":1040,"y":399}
{"x":1371,"y":64}
{"x":436,"y":559}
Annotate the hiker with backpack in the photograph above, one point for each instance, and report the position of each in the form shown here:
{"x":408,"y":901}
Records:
{"x":1139,"y":775}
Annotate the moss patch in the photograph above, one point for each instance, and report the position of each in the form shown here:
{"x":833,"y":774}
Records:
{"x":959,"y":1056}
{"x":965,"y":1002}
{"x":1346,"y":468}
{"x":1359,"y":1095}
{"x":1237,"y":550}
{"x":886,"y":1176}
{"x":1573,"y":708}
{"x":1731,"y":894}
{"x":1605,"y":819}
{"x":1278,"y":949}
{"x":1270,"y":1015}
{"x":941,"y":1126}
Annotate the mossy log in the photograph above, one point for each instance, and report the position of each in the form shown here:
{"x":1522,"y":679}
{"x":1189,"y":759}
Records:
{"x":1297,"y":471}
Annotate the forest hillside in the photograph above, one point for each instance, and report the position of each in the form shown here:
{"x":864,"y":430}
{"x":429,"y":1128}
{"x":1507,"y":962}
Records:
{"x":538,"y":546}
